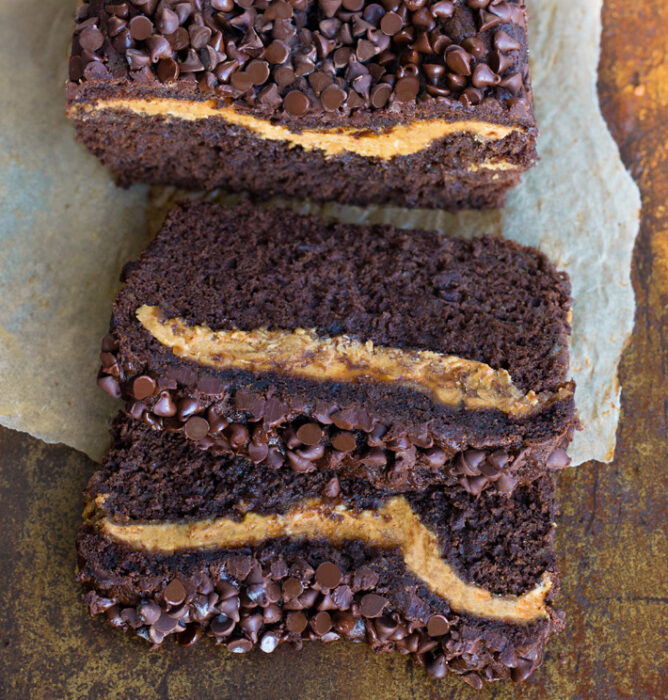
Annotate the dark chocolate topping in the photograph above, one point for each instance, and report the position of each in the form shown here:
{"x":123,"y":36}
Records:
{"x":316,"y":57}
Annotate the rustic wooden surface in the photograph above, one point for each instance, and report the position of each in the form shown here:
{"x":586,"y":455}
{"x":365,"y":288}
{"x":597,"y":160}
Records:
{"x":611,"y":537}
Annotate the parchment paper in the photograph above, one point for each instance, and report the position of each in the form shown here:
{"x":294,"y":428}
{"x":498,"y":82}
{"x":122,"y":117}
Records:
{"x":66,"y":230}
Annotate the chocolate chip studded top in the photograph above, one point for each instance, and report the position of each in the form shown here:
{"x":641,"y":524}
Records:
{"x":330,"y":58}
{"x":245,"y":267}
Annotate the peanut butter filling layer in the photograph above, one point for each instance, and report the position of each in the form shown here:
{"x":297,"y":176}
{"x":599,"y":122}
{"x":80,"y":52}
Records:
{"x":450,"y":380}
{"x":393,"y":525}
{"x":400,"y":140}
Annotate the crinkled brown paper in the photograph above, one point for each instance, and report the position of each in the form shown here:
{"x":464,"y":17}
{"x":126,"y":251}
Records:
{"x":66,"y":230}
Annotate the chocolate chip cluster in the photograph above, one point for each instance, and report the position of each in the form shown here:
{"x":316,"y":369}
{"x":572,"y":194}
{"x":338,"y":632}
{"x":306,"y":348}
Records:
{"x":243,"y":605}
{"x":302,"y":56}
{"x":306,"y":438}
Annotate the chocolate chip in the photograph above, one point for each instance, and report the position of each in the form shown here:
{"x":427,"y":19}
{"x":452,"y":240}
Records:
{"x":458,"y":60}
{"x":437,"y":625}
{"x":438,"y":667}
{"x":474,"y":680}
{"x":498,"y":458}
{"x":221,"y":625}
{"x":277,"y":52}
{"x":196,"y":428}
{"x":380,"y":94}
{"x":239,"y":646}
{"x":164,"y":406}
{"x":484,"y":76}
{"x":148,"y":611}
{"x":168,"y":70}
{"x":175,"y":593}
{"x":296,"y":103}
{"x":167,"y":20}
{"x":110,"y":386}
{"x":344,"y":442}
{"x":321,"y":623}
{"x":296,"y":622}
{"x":91,"y":39}
{"x":406,"y":89}
{"x":166,"y":624}
{"x":258,"y":72}
{"x":504,"y":42}
{"x":364,"y":578}
{"x":190,"y":635}
{"x":292,"y":588}
{"x":309,"y":434}
{"x":332,"y":98}
{"x":143,"y":387}
{"x":141,"y":28}
{"x":372,"y":605}
{"x":269,"y":642}
{"x":391,"y":23}
{"x":328,"y":575}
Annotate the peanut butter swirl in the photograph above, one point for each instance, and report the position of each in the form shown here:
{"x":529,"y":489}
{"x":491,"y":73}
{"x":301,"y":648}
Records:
{"x":450,"y":380}
{"x":399,"y":140}
{"x":393,"y":525}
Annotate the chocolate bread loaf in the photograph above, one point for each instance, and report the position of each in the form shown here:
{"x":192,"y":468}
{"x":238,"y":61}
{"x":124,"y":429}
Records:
{"x":180,"y":542}
{"x":412,"y":104}
{"x":401,"y":358}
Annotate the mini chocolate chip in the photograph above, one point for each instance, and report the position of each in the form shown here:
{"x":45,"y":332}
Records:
{"x":332,"y":98}
{"x":141,"y":28}
{"x":437,"y":625}
{"x":196,"y":428}
{"x":148,"y":611}
{"x":309,"y":434}
{"x":328,"y":575}
{"x":221,"y":625}
{"x":296,"y":622}
{"x":189,"y":636}
{"x":504,"y":42}
{"x":406,"y":89}
{"x":277,"y":52}
{"x":143,"y":387}
{"x":110,"y":386}
{"x":380,"y":94}
{"x":296,"y":103}
{"x":391,"y":23}
{"x":458,"y":60}
{"x":168,"y":70}
{"x":292,"y":588}
{"x":321,"y":623}
{"x":91,"y":39}
{"x":175,"y":593}
{"x":372,"y":605}
{"x":344,"y":442}
{"x":258,"y":72}
{"x":438,"y":667}
{"x":166,"y":624}
{"x":164,"y":406}
{"x":239,"y":646}
{"x":269,"y":642}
